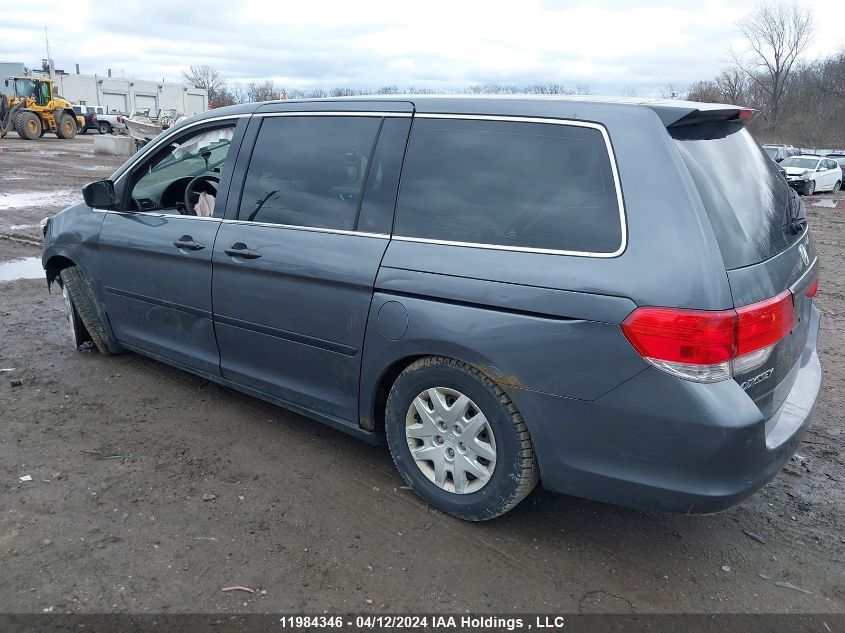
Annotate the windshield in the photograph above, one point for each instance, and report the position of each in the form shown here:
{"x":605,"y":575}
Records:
{"x":803,"y":163}
{"x":25,"y":87}
{"x":749,"y":204}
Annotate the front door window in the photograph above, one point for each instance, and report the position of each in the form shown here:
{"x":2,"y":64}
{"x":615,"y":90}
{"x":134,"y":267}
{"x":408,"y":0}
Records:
{"x":183,"y":177}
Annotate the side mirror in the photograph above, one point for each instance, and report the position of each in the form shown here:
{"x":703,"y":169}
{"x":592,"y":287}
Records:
{"x":99,"y":195}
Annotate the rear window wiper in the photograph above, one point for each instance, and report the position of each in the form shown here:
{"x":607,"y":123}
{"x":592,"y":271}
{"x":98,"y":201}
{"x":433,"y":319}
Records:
{"x":797,"y":213}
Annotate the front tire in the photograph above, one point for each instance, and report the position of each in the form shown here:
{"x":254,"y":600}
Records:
{"x":458,"y":440}
{"x":82,"y":300}
{"x":28,"y":125}
{"x":810,"y":188}
{"x":837,"y":187}
{"x":78,"y":333}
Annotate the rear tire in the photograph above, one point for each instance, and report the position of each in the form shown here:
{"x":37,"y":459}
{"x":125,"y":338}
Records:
{"x":28,"y":125}
{"x":66,"y":126}
{"x":104,"y":128}
{"x":480,"y":463}
{"x":82,"y":300}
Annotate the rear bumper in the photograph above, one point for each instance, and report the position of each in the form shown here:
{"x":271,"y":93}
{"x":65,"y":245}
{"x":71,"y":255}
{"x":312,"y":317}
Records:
{"x":661,"y":443}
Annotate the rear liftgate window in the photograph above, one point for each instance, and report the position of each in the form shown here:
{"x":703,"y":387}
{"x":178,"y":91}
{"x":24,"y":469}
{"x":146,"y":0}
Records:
{"x":510,"y":184}
{"x":751,"y":208}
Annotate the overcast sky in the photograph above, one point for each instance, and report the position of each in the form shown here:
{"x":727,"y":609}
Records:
{"x":611,"y":46}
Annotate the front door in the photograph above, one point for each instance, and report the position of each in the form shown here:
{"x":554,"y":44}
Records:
{"x":294,"y":266}
{"x":156,"y":251}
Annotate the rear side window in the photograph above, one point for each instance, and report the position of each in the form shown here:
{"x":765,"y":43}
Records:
{"x":749,"y":204}
{"x":510,"y":184}
{"x":309,"y":171}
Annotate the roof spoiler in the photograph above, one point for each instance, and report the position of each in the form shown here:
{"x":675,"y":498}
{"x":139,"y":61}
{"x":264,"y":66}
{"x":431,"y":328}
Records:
{"x":697,"y":113}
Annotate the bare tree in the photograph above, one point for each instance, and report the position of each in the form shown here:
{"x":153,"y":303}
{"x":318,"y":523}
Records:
{"x":670,"y":91}
{"x":264,"y":91}
{"x":833,"y":74}
{"x":777,"y":32}
{"x":704,"y":91}
{"x":210,"y":79}
{"x":732,"y":84}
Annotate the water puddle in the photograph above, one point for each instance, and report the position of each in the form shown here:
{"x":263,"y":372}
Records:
{"x":39,"y":199}
{"x":26,"y":268}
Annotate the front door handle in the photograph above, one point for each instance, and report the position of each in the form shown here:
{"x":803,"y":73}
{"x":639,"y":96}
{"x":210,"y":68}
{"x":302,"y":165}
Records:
{"x":239,"y":249}
{"x":186,"y":241}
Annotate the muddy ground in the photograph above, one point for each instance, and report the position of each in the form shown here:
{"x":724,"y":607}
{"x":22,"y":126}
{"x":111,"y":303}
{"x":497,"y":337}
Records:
{"x":123,"y":450}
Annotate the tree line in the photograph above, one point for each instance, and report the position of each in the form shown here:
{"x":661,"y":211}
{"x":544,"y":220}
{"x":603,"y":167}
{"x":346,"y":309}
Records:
{"x":800,"y":102}
{"x":220,"y":93}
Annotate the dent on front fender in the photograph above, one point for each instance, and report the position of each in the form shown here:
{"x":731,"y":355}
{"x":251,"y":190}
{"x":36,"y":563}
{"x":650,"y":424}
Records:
{"x":72,"y":238}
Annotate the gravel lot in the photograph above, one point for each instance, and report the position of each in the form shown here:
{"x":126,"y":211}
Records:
{"x":123,"y":451}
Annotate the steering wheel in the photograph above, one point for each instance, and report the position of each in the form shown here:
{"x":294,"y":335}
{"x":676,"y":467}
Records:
{"x":189,"y":191}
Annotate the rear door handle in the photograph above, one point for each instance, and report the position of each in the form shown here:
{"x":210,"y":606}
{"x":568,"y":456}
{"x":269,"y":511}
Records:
{"x":239,"y":249}
{"x":186,"y":241}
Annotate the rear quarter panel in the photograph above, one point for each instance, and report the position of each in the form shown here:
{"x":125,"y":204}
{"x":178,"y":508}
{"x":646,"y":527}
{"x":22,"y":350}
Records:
{"x":550,"y":323}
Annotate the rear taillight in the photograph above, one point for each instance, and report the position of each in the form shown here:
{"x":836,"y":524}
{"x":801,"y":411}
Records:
{"x":709,"y":346}
{"x":746,"y":114}
{"x":813,"y":289}
{"x":93,"y":118}
{"x":120,"y":119}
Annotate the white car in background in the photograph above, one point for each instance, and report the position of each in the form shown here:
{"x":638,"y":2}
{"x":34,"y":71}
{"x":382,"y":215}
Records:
{"x":809,"y":174}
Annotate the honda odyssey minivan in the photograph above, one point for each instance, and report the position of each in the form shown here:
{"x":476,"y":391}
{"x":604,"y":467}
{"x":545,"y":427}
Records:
{"x":612,"y":297}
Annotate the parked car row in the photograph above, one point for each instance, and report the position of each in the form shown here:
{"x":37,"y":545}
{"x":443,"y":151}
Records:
{"x":811,"y":174}
{"x":779,"y":153}
{"x":96,"y":118}
{"x":464,"y":279}
{"x":808,"y":173}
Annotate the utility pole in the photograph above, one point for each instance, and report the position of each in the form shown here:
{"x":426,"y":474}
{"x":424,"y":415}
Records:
{"x":49,"y":59}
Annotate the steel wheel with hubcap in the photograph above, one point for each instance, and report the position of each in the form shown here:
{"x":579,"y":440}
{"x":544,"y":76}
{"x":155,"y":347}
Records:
{"x":458,"y":439}
{"x":809,"y":187}
{"x":451,"y":440}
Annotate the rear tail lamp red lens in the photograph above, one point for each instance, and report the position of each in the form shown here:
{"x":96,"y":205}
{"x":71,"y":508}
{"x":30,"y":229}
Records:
{"x":746,"y":114}
{"x":813,"y":289}
{"x":708,"y":346}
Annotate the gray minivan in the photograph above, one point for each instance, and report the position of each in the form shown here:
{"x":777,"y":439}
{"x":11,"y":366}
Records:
{"x":611,"y":297}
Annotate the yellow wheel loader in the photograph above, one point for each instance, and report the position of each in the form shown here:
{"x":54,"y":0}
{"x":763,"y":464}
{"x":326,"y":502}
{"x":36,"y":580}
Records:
{"x":32,"y":109}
